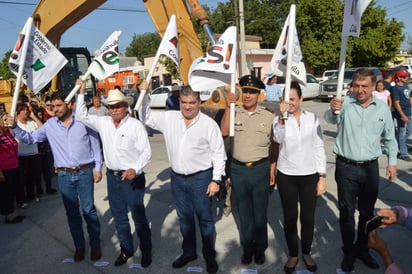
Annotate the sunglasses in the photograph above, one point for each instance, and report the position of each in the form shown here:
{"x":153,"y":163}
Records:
{"x":48,"y":105}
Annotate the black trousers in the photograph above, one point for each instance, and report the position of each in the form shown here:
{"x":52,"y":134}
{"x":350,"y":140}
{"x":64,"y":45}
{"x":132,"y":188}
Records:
{"x":7,"y":191}
{"x":294,"y":190}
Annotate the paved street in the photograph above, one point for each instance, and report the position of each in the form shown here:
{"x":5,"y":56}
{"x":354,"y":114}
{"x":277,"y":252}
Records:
{"x":42,"y":241}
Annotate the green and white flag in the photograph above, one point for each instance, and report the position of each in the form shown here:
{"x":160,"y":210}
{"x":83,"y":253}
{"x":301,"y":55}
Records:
{"x":106,"y":61}
{"x":43,"y":60}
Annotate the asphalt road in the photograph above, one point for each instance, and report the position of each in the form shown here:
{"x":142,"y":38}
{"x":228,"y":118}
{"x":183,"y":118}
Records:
{"x":42,"y":241}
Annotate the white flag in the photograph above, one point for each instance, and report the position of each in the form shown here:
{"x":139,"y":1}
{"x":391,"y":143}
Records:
{"x":298,"y":70}
{"x":106,"y":62}
{"x":43,"y":60}
{"x":169,"y":44}
{"x":352,"y":16}
{"x":215,"y":70}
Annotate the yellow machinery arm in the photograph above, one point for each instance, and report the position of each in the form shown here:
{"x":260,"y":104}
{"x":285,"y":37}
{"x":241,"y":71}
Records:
{"x":53,"y":18}
{"x":189,"y":45}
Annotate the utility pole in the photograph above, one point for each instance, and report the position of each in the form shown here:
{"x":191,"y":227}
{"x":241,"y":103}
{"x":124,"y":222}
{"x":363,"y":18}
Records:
{"x":242,"y":63}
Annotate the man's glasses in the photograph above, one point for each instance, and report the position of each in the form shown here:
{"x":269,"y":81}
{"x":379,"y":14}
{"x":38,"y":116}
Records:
{"x":48,"y":105}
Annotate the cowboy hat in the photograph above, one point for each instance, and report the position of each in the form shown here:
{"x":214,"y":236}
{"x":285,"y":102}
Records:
{"x":116,"y":96}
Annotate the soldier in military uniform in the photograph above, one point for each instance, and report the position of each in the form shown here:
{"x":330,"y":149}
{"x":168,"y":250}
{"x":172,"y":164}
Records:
{"x":252,"y":167}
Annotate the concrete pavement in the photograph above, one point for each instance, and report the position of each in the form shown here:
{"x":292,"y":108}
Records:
{"x":42,"y":241}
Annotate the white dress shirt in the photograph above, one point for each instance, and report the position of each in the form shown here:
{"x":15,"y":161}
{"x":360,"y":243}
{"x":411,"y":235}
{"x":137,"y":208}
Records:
{"x":124,"y":147}
{"x":190,"y":149}
{"x":301,"y":149}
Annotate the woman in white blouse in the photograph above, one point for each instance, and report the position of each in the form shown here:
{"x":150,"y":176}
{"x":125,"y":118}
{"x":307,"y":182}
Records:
{"x":300,"y":175}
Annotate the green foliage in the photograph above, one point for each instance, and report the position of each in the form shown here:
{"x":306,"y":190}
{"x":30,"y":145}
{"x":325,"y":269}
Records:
{"x":170,"y":66}
{"x":319,"y":26}
{"x":4,"y":69}
{"x":143,"y":45}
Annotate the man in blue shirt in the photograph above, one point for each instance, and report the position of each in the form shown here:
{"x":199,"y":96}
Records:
{"x":364,"y":123}
{"x":77,"y":158}
{"x":401,"y":98}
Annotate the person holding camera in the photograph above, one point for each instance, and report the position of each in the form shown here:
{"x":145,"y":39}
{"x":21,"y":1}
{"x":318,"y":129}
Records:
{"x":395,"y":215}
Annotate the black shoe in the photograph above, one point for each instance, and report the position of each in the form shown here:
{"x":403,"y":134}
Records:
{"x":348,"y":262}
{"x":211,"y":266}
{"x":146,"y":259}
{"x":16,"y":219}
{"x":246,"y":258}
{"x":260,"y":258}
{"x":311,"y":267}
{"x":95,"y":253}
{"x":290,"y":269}
{"x":367,"y":259}
{"x":122,"y":259}
{"x":78,"y":255}
{"x":183,"y":260}
{"x":51,"y":191}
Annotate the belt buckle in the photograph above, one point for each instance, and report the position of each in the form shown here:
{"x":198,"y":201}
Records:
{"x":117,"y":173}
{"x":249,"y":164}
{"x":75,"y":169}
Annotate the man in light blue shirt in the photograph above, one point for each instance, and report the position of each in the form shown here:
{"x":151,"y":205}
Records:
{"x":363,"y":125}
{"x":77,"y":158}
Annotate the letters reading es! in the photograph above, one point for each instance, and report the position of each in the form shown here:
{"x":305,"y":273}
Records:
{"x":216,"y":52}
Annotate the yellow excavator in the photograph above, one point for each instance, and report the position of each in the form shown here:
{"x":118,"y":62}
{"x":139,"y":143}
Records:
{"x":53,"y":18}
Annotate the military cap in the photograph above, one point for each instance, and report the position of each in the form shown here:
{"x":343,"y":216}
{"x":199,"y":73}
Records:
{"x":251,"y":83}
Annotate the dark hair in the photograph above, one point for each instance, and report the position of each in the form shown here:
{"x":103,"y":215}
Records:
{"x":61,"y":95}
{"x":117,"y":87}
{"x":380,"y":81}
{"x":47,"y":99}
{"x":21,"y":106}
{"x":295,"y":85}
{"x":188,"y":91}
{"x":362,"y":73}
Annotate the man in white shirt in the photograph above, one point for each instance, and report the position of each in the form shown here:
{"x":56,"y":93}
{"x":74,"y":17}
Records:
{"x":127,"y":151}
{"x":197,"y":158}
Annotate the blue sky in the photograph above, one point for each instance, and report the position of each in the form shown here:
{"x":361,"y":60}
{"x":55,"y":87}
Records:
{"x":95,"y":28}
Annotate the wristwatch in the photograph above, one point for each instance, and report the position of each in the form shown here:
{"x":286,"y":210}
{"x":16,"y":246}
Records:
{"x":322,"y":175}
{"x":218,"y":182}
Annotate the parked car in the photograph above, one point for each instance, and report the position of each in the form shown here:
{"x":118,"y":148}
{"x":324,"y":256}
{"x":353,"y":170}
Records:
{"x":159,"y":96}
{"x":327,"y":73}
{"x":310,"y":91}
{"x":328,"y":88}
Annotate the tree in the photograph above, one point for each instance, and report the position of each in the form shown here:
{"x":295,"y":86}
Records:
{"x":319,"y":25}
{"x":4,"y":67}
{"x":142,"y":45}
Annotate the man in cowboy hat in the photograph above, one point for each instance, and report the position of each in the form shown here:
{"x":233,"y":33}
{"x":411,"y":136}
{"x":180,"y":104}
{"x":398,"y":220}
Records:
{"x":126,"y":151}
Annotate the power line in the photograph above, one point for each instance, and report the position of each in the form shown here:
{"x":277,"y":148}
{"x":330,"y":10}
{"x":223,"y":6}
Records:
{"x":101,"y":8}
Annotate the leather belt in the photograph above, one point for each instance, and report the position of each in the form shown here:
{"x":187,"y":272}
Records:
{"x":115,"y":172}
{"x":75,"y":169}
{"x":250,"y":164}
{"x":355,"y":163}
{"x":191,"y":174}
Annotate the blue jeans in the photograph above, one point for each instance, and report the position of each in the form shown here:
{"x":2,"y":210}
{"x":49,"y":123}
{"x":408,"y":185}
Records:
{"x":357,"y":188}
{"x":75,"y":186}
{"x":404,"y":130}
{"x":189,"y":194}
{"x":124,"y":196}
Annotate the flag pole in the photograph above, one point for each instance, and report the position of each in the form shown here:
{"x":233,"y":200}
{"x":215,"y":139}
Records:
{"x":76,"y":87}
{"x":342,"y":63}
{"x":29,"y":26}
{"x":232,"y":106}
{"x":290,"y":43}
{"x":148,"y":78}
{"x":155,"y":61}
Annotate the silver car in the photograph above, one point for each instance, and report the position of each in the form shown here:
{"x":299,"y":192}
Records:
{"x":328,"y":88}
